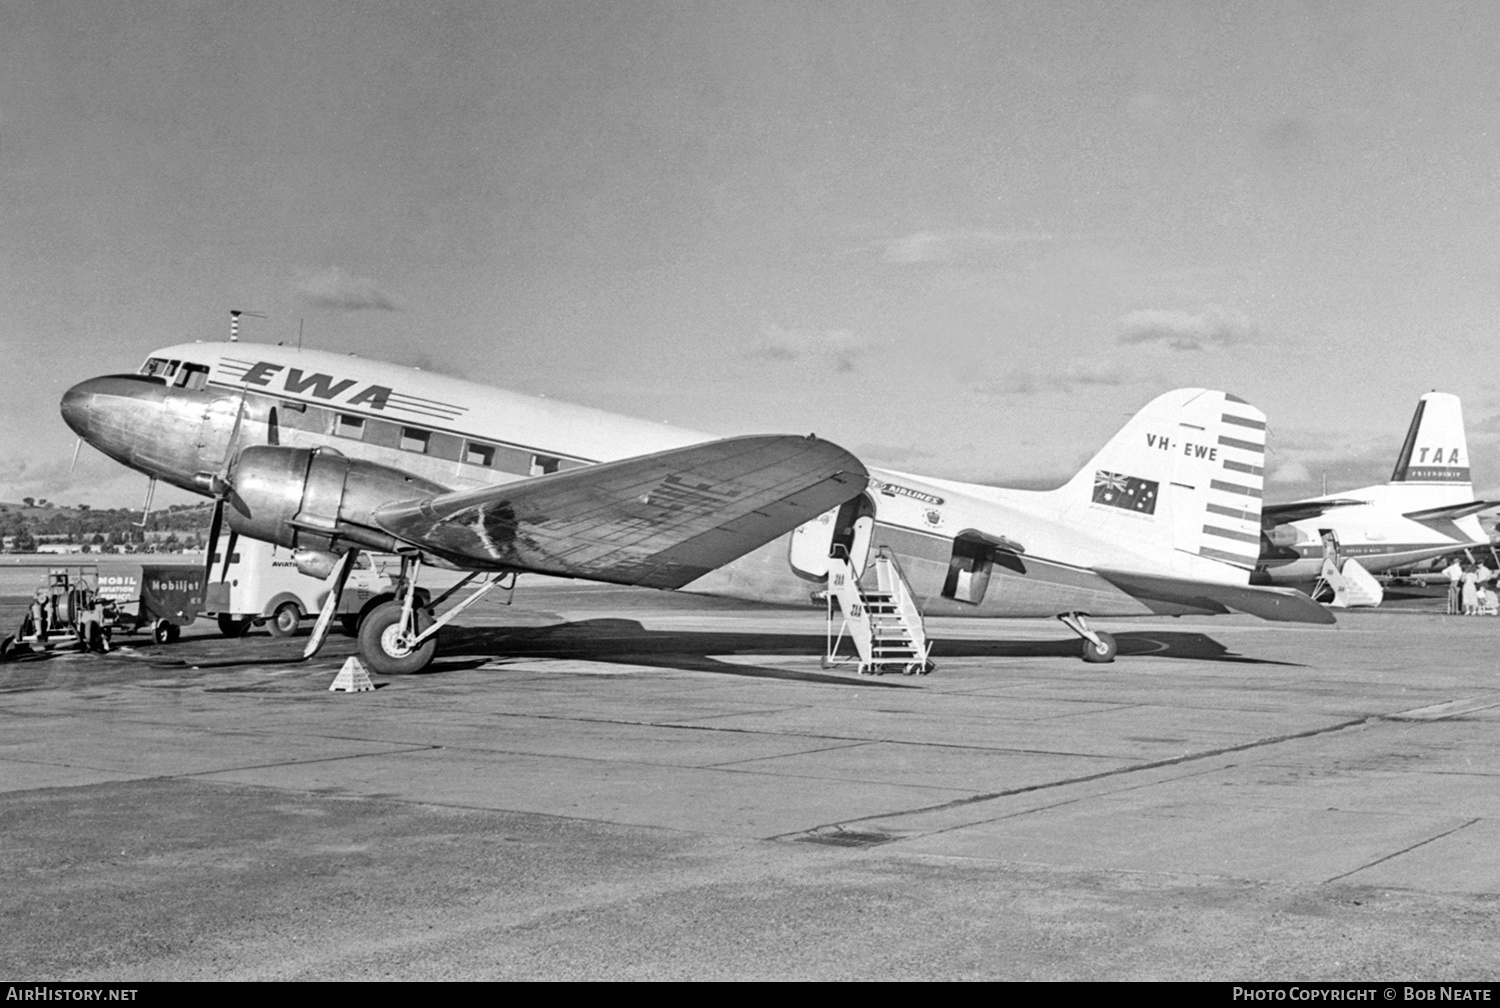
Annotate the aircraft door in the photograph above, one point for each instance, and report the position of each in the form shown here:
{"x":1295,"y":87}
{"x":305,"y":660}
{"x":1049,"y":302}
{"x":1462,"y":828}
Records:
{"x":1331,"y":546}
{"x":969,"y":569}
{"x":845,"y":531}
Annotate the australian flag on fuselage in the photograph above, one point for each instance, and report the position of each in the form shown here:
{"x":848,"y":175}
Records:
{"x":1127,"y":492}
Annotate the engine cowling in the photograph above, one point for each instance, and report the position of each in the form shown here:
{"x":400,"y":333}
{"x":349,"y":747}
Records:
{"x":313,"y":499}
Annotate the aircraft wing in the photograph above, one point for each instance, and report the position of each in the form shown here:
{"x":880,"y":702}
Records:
{"x":1282,"y":605}
{"x":660,"y":520}
{"x":1272,"y":515}
{"x":1452,"y":512}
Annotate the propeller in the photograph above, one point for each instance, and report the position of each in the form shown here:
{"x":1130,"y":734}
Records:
{"x":219,"y":486}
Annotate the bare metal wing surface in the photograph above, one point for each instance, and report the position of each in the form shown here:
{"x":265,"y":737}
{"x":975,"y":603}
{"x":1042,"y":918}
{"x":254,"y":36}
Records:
{"x":1282,"y":605}
{"x":659,"y":520}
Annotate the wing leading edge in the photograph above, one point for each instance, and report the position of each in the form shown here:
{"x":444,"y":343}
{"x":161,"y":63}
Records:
{"x":660,"y":520}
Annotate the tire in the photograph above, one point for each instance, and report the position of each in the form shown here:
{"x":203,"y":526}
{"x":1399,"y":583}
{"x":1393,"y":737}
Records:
{"x":350,"y":623}
{"x":231,"y":627}
{"x":163,"y":632}
{"x":7,"y":648}
{"x":377,"y":645}
{"x":285,"y":621}
{"x":1095,"y":655}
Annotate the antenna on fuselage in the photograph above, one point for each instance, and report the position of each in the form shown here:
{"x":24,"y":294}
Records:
{"x":234,"y":322}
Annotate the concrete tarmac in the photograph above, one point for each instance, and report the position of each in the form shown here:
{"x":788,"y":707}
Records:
{"x":602,"y":783}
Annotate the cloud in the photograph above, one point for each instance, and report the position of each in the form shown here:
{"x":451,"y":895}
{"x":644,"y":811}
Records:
{"x":1181,"y":330}
{"x":1029,"y":382}
{"x":335,"y":289}
{"x":840,"y":348}
{"x":958,"y":246}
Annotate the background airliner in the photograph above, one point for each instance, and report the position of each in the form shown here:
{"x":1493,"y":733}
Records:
{"x":329,"y":454}
{"x":1426,"y":509}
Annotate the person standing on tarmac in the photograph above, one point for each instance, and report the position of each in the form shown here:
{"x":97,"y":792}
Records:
{"x":1455,"y":573}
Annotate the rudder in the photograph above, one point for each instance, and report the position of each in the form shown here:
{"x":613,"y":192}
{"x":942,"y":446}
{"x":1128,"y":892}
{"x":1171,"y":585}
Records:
{"x":1435,"y":449}
{"x":1180,"y":485}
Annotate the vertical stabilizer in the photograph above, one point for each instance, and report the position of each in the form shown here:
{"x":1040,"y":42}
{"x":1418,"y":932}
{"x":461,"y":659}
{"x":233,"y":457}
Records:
{"x":1180,"y":486}
{"x":1435,"y":450}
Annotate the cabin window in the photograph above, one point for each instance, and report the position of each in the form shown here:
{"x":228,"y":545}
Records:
{"x":156,"y":367}
{"x":479,"y":454}
{"x":413,"y":440}
{"x":348,"y":426}
{"x":541,"y":465}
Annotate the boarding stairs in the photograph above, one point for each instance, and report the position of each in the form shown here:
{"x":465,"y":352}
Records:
{"x":1351,"y":586}
{"x":884,"y":625}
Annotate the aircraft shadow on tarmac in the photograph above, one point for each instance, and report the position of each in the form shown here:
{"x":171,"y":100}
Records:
{"x":628,"y":642}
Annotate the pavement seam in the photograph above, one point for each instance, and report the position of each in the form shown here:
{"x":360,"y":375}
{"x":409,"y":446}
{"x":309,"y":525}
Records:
{"x":1087,"y":778}
{"x":1393,"y":854}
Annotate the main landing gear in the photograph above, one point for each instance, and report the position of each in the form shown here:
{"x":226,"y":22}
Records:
{"x":399,"y":637}
{"x":1098,"y":647}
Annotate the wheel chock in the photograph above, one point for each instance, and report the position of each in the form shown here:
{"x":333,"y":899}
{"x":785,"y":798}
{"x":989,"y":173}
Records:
{"x":352,"y":678}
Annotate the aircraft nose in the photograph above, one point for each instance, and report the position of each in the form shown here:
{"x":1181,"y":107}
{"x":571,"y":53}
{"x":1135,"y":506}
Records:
{"x":76,"y":403}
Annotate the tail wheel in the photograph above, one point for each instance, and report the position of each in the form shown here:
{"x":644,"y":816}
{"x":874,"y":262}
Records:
{"x":386,"y":649}
{"x":286,"y":620}
{"x":1100,"y":655}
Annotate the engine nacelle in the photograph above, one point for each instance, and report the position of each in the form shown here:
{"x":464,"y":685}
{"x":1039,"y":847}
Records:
{"x":314,"y":499}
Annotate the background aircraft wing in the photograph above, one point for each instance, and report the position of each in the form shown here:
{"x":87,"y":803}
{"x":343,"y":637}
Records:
{"x":1451,"y":512}
{"x":1283,"y":605}
{"x":660,"y":520}
{"x":1272,"y":515}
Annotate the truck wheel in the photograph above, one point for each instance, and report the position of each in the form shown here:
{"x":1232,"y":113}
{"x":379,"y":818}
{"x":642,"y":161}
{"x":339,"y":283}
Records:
{"x":350,"y":623}
{"x":229,"y":626}
{"x":7,"y":648}
{"x":286,"y":620}
{"x":381,"y":649}
{"x":163,"y":632}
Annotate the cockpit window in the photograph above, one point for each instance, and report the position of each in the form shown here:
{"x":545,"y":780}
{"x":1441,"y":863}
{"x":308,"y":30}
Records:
{"x":156,"y":367}
{"x":192,"y":376}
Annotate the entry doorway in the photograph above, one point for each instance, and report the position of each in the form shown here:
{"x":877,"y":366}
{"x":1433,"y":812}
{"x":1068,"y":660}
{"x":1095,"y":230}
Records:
{"x":844,"y":531}
{"x":969,"y":568}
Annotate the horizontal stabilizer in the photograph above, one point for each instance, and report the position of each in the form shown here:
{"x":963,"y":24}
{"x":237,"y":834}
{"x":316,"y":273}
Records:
{"x":1451,"y":512}
{"x":1281,"y":605}
{"x":1272,"y":515}
{"x":659,"y":520}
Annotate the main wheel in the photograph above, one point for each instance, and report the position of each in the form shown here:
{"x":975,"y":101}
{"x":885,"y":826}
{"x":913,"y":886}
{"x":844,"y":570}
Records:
{"x":381,"y":646}
{"x":231,"y":627}
{"x":285,"y":621}
{"x":1097,"y":655}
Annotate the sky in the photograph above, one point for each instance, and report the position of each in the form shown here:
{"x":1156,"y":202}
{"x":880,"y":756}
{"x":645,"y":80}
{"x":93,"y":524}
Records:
{"x":962,"y":240}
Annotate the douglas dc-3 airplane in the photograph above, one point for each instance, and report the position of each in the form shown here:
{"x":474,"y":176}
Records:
{"x":1425,"y":510}
{"x":329,"y":454}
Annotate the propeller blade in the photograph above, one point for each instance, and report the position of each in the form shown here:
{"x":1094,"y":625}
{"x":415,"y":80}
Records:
{"x":231,"y":446}
{"x":335,"y":584}
{"x":215,"y":526}
{"x":234,"y":540}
